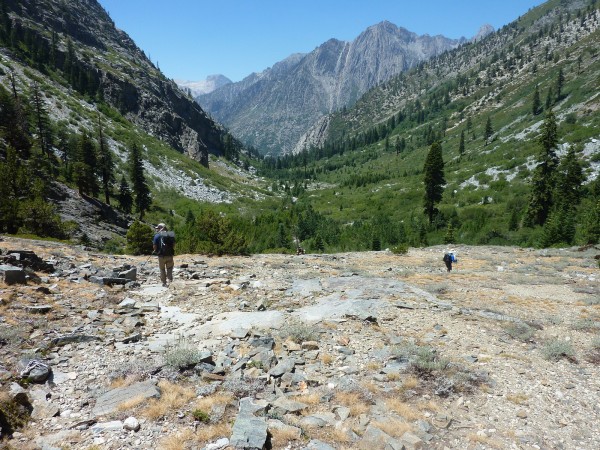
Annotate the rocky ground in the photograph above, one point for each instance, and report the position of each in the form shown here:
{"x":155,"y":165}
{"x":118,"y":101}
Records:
{"x":356,"y":350}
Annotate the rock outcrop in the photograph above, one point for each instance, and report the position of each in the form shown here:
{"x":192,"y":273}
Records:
{"x":126,"y":79}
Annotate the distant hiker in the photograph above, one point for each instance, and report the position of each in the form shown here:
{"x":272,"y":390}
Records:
{"x":449,"y":258}
{"x":164,"y":246}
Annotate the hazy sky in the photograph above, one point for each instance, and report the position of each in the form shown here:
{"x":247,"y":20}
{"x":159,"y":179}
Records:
{"x":191,"y":39}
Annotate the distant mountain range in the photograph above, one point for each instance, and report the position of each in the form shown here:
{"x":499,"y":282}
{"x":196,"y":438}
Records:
{"x":271,"y":110}
{"x":206,"y":86}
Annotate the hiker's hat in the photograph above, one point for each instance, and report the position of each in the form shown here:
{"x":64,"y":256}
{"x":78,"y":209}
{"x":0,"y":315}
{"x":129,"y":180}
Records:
{"x":160,"y":226}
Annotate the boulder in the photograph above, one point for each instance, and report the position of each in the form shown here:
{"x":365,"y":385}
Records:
{"x":110,"y":401}
{"x":249,"y":431}
{"x":12,"y":275}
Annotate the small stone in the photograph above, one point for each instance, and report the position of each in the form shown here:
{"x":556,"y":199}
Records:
{"x":522,"y":414}
{"x":131,"y":424}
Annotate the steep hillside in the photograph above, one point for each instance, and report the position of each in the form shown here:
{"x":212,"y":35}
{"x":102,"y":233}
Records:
{"x":367,"y":161}
{"x":272,"y":109}
{"x":77,"y":97}
{"x":111,"y":67}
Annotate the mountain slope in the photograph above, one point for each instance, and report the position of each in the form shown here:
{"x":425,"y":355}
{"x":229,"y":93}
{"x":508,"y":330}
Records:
{"x":82,"y":35}
{"x":366,"y":169}
{"x":272,"y":109}
{"x":76,"y":97}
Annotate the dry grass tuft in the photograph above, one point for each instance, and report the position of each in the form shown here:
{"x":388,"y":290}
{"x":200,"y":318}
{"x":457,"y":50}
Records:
{"x":207,"y":403}
{"x":213,"y":432}
{"x":326,"y":358}
{"x":485,"y":441}
{"x":131,"y":403}
{"x":354,"y":402}
{"x":177,"y":441}
{"x":429,"y":405}
{"x":310,"y":399}
{"x":172,"y":397}
{"x":410,"y":383}
{"x":517,"y":398}
{"x":330,"y":435}
{"x":371,"y":387}
{"x":393,"y":427}
{"x":281,"y":437}
{"x":403,"y":409}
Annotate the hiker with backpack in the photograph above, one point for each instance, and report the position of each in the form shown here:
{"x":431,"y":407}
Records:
{"x":449,"y":258}
{"x":163,"y":245}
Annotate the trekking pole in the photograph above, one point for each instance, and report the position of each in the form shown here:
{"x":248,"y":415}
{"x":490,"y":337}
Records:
{"x":146,"y":262}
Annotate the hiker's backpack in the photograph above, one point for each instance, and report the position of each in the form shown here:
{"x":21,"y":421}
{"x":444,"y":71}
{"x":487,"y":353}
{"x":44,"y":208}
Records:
{"x":447,"y":257}
{"x":167,"y":243}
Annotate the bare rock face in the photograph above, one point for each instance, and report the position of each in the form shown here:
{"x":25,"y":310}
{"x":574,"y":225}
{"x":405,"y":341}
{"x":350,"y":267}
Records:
{"x":127,"y":80}
{"x":294,"y":93}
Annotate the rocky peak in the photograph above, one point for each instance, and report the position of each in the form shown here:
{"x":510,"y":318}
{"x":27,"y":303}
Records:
{"x":296,"y":92}
{"x":484,"y":30}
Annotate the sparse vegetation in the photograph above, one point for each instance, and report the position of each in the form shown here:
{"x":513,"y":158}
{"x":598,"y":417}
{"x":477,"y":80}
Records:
{"x":299,"y":332}
{"x":557,"y":349}
{"x":182,"y":354}
{"x":520,"y":331}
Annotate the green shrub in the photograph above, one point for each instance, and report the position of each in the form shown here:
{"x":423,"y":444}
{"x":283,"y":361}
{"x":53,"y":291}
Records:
{"x":139,"y":239}
{"x":400,"y":249}
{"x":588,"y":324}
{"x":113,"y":246}
{"x":201,"y":416}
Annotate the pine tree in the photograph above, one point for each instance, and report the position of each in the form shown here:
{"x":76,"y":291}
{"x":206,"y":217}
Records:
{"x":14,"y":125}
{"x":42,"y":120}
{"x":376,"y":244}
{"x":591,"y":224}
{"x":84,"y":169}
{"x":106,"y":164}
{"x":543,"y":179}
{"x":461,"y":145}
{"x":569,"y":183}
{"x":282,"y":236}
{"x":14,"y":187}
{"x":141,"y":191}
{"x":560,"y":82}
{"x":319,"y":244}
{"x":449,"y":237}
{"x":5,"y":23}
{"x":434,"y":180}
{"x":125,"y":197}
{"x":489,"y":130}
{"x":537,"y":103}
{"x":139,"y":239}
{"x":549,"y":99}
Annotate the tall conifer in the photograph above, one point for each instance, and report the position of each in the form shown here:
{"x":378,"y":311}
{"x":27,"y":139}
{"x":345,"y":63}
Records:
{"x":434,"y":180}
{"x":141,"y":191}
{"x":543,"y":179}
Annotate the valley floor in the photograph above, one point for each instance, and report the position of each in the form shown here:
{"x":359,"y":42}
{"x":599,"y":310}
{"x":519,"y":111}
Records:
{"x":354,"y":350}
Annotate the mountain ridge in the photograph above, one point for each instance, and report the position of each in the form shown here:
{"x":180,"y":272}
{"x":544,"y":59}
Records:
{"x":283,"y":101}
